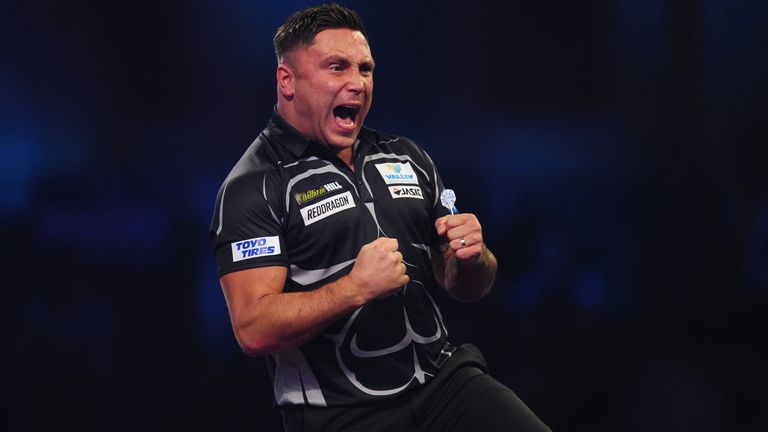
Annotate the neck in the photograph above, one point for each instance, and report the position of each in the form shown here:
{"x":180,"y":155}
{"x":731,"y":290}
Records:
{"x":347,"y":156}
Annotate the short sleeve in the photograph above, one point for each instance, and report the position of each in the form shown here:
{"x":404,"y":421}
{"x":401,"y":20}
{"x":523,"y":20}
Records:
{"x":246,"y":231}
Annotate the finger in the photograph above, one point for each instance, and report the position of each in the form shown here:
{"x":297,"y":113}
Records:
{"x":457,"y":245}
{"x":462,"y":231}
{"x":386,"y":243}
{"x":469,"y":254}
{"x":398,"y":257}
{"x":452,"y":221}
{"x":404,"y":268}
{"x":471,"y":239}
{"x":449,"y":222}
{"x":460,"y":219}
{"x":440,"y":225}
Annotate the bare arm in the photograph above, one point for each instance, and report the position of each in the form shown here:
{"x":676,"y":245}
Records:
{"x":467,"y":271}
{"x":266,"y":320}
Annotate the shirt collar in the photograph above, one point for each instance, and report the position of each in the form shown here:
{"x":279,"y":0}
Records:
{"x":288,"y":137}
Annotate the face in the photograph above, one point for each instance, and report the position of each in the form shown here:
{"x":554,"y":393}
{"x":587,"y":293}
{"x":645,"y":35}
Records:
{"x":333,"y":87}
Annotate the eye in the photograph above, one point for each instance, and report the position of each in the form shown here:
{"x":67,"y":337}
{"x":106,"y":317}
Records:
{"x":337,"y":67}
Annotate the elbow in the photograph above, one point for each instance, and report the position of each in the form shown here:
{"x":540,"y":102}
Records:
{"x":256,"y":345}
{"x":252,"y":349}
{"x":257,"y":348}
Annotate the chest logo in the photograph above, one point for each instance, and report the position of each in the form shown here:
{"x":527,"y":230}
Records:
{"x":397,"y":173}
{"x":327,"y":207}
{"x":405,"y":192}
{"x":309,"y":195}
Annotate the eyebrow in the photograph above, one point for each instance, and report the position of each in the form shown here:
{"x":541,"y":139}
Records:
{"x":345,"y":60}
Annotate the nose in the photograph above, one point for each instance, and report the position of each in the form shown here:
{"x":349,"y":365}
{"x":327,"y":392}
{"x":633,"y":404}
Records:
{"x":356,"y":83}
{"x":356,"y":86}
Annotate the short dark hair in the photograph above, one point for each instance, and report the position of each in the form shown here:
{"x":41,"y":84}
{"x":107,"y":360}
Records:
{"x":301,"y":28}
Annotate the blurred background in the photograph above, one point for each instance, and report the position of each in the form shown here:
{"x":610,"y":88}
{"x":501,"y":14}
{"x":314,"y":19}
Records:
{"x":615,"y":152}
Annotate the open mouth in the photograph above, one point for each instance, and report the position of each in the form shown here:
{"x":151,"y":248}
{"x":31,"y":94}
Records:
{"x":346,"y":115}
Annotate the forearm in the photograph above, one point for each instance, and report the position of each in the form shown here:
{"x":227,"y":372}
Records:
{"x":469,"y":282}
{"x":284,"y":320}
{"x":266,"y":319}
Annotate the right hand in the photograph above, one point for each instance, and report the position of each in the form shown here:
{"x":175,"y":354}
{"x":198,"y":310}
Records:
{"x":379,"y":269}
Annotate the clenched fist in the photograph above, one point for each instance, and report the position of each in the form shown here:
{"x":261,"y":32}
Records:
{"x":464,"y":234}
{"x":379,"y":269}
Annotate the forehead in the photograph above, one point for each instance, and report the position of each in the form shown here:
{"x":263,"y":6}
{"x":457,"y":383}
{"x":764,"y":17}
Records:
{"x":340,"y":41}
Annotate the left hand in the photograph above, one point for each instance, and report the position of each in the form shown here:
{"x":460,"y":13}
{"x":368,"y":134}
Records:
{"x":463,"y":226}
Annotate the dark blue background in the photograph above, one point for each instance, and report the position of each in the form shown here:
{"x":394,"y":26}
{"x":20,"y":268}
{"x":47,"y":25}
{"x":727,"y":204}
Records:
{"x":615,"y":152}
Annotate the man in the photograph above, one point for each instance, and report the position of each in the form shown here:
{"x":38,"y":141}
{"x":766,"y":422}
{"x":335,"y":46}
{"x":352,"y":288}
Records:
{"x":331,"y":241}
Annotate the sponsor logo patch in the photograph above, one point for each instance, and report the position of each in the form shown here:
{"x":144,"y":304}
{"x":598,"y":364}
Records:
{"x":307,"y":196}
{"x":397,"y":173}
{"x":327,"y":207}
{"x":255,"y":247}
{"x":405,"y":192}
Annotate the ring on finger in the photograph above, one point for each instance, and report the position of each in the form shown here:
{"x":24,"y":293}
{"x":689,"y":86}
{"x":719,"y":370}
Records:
{"x":463,"y":243}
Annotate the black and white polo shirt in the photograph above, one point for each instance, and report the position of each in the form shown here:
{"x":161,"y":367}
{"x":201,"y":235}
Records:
{"x":292,"y":202}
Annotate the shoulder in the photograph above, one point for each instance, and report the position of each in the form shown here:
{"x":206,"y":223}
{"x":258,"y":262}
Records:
{"x":256,"y":161}
{"x":252,"y":170}
{"x":249,"y":186}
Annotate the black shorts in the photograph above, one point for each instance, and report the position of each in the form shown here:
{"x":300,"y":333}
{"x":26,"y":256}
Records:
{"x":462,"y":397}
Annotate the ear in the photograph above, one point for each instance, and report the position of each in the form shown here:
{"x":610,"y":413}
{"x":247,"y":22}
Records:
{"x":285,"y":77}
